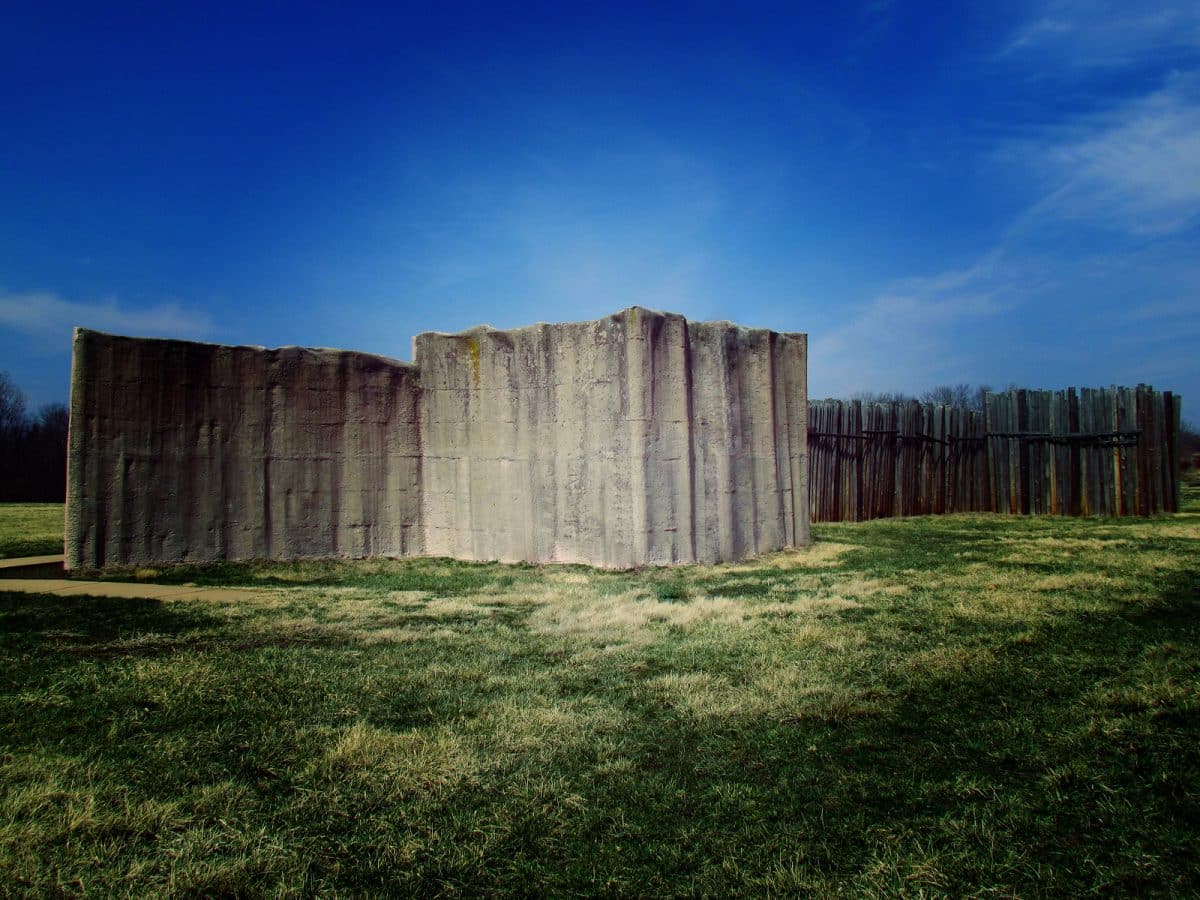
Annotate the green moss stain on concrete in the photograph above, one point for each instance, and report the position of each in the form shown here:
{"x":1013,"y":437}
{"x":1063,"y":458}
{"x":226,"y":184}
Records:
{"x":473,"y":350}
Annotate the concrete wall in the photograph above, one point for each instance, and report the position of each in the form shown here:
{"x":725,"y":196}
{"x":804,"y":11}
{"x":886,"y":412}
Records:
{"x":639,"y":438}
{"x":184,"y":451}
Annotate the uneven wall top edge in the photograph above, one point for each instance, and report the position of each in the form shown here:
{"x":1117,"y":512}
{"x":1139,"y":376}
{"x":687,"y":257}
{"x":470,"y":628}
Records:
{"x":83,"y":334}
{"x":630,"y":312}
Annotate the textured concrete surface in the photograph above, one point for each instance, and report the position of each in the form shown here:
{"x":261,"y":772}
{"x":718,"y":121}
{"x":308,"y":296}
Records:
{"x":639,"y":438}
{"x":186,"y":451}
{"x":635,"y":439}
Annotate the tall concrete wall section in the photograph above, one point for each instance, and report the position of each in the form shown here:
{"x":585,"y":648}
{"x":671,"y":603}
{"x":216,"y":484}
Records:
{"x":635,"y":439}
{"x":750,"y":439}
{"x":185,"y":451}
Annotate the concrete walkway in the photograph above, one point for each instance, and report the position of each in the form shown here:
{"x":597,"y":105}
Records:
{"x":71,"y":587}
{"x":24,"y":562}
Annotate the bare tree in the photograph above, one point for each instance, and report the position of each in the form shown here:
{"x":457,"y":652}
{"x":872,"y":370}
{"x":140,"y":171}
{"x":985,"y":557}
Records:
{"x":46,"y":454}
{"x":949,"y":395}
{"x":882,"y":397}
{"x":961,"y":395}
{"x":52,"y":419}
{"x":978,"y":394}
{"x":12,"y":407}
{"x":1189,"y":443}
{"x":33,"y":449}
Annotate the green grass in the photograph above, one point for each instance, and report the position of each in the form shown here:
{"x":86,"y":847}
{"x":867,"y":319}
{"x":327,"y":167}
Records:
{"x":958,"y":705}
{"x":30,"y":529}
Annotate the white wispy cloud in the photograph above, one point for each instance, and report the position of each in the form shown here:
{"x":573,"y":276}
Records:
{"x":1131,"y":163}
{"x":1103,"y":34}
{"x":44,"y":314}
{"x":1041,"y":30}
{"x":1093,"y":281}
{"x":915,"y":334}
{"x":1133,"y":167}
{"x":1016,"y":316}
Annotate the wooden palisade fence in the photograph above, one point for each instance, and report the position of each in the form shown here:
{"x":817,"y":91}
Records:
{"x":1108,"y":452}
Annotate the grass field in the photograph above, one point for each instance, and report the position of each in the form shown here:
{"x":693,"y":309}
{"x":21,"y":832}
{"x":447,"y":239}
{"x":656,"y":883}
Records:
{"x":968,"y":705}
{"x":30,"y":529}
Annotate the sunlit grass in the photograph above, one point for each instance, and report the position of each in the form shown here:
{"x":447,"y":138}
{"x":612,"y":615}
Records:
{"x":956,"y":705}
{"x":30,"y":529}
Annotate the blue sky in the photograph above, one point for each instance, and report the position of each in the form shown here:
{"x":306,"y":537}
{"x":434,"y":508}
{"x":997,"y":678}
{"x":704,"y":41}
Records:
{"x":936,"y":193}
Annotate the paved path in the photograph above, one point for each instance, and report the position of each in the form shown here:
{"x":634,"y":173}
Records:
{"x":22,"y":562}
{"x":72,"y":587}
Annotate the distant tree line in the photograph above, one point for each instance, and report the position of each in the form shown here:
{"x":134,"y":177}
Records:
{"x":1189,"y":445}
{"x":33,"y":449}
{"x":966,"y":396}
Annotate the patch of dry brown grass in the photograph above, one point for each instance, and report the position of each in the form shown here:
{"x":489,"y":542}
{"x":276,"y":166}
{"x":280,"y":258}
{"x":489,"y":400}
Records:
{"x":629,"y":615}
{"x":1079,"y":581}
{"x":818,"y":555}
{"x":401,"y":763}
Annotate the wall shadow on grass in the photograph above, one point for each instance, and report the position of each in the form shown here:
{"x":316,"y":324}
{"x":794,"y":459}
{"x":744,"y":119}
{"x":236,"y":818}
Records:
{"x":1060,"y":766}
{"x":1058,"y":761}
{"x":1004,"y":777}
{"x":437,"y":576}
{"x":47,"y":618}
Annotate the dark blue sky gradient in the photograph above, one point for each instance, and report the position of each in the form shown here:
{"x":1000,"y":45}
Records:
{"x":936,"y":193}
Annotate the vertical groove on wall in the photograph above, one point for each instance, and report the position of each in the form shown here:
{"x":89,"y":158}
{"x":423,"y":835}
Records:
{"x":268,"y":517}
{"x":76,"y":517}
{"x":690,"y":415}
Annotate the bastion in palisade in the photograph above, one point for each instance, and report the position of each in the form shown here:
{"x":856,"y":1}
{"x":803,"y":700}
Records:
{"x":635,"y":439}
